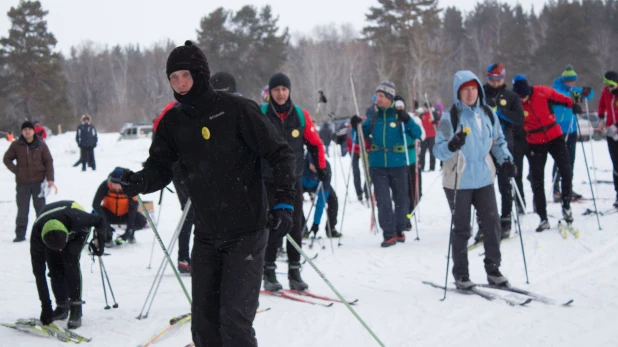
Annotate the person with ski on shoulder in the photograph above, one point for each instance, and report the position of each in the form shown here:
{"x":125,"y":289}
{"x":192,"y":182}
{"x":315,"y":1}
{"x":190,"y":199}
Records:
{"x":325,"y":196}
{"x":544,"y":136}
{"x":467,"y":138}
{"x":58,"y":237}
{"x":565,"y":85}
{"x":507,"y":107}
{"x":293,"y":124}
{"x":608,"y":113}
{"x":218,"y":139}
{"x":387,"y":162}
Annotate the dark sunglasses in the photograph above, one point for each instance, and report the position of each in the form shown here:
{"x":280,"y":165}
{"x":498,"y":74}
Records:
{"x":495,"y":78}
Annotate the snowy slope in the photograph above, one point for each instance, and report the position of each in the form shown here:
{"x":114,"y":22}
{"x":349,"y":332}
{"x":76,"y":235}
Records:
{"x":395,"y":304}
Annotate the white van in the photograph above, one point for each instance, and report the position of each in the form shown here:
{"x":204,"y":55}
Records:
{"x":132,"y":131}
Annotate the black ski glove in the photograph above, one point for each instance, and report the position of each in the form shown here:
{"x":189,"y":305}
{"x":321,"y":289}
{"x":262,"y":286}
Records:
{"x":47,"y":314}
{"x":280,"y":220}
{"x":315,"y":228}
{"x":586,"y":91}
{"x":457,"y":141}
{"x":355,"y":121}
{"x":577,"y":109}
{"x":323,"y":174}
{"x":97,"y":245}
{"x":509,"y":168}
{"x":132,"y":183}
{"x":403,"y":116}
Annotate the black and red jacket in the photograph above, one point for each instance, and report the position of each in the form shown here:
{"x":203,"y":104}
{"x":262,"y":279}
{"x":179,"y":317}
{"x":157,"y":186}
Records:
{"x":539,"y":120}
{"x":608,"y":107}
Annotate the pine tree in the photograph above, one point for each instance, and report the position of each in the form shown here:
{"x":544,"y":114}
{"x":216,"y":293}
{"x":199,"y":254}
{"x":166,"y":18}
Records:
{"x":35,"y":86}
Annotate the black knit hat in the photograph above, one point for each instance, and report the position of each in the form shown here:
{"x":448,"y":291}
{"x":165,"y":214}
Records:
{"x":187,"y":57}
{"x":223,"y":82}
{"x":611,"y":76}
{"x":279,"y":79}
{"x":27,"y":124}
{"x":521,"y":86}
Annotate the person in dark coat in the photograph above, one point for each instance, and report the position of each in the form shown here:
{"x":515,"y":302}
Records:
{"x":86,"y":138}
{"x":326,"y":135}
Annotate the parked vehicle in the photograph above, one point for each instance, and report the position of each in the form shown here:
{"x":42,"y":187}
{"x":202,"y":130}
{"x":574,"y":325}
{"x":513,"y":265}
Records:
{"x":131,"y":131}
{"x":590,"y":127}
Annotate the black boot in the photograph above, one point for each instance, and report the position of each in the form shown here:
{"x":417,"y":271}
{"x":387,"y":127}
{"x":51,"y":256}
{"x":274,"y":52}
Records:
{"x":75,"y":317}
{"x":270,"y":278}
{"x":184,"y":265}
{"x":61,"y":312}
{"x":296,"y":282}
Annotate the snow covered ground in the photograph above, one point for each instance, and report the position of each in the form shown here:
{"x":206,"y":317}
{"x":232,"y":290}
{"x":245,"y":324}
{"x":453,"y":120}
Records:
{"x":392,"y":300}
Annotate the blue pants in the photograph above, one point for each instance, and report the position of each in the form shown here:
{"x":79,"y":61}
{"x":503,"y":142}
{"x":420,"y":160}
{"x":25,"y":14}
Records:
{"x":385,"y":181}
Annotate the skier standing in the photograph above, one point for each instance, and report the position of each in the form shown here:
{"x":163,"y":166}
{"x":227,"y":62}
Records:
{"x":326,"y":135}
{"x":545,"y":136}
{"x":353,"y":145}
{"x":429,"y":125}
{"x":86,"y":138}
{"x":218,"y":140}
{"x":58,"y":237}
{"x":294,"y":124}
{"x":469,"y":174}
{"x":608,"y":112}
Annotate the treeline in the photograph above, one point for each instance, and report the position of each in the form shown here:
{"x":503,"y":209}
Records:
{"x":414,"y":43}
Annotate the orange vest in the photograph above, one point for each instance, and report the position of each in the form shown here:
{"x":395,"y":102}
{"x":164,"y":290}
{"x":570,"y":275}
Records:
{"x":116,"y":203}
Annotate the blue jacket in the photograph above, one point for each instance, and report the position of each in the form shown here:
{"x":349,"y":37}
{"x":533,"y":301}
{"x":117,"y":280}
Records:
{"x":476,"y":167}
{"x":387,"y":141}
{"x":310,"y":183}
{"x":564,"y":115}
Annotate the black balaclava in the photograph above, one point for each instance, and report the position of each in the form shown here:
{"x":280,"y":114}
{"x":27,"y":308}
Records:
{"x":280,"y":79}
{"x":190,"y":57}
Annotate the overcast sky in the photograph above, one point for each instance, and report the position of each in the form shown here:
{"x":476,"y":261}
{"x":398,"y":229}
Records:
{"x":147,"y":21}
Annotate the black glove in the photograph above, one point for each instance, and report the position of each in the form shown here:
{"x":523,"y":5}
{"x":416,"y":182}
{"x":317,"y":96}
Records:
{"x":586,"y":91}
{"x":457,"y":141}
{"x":323,"y":174}
{"x":132,"y":183}
{"x":355,"y":121}
{"x":280,"y":220}
{"x":403,"y":116}
{"x":47,"y":314}
{"x":509,"y":168}
{"x":97,"y":245}
{"x":315,"y":228}
{"x":577,"y":109}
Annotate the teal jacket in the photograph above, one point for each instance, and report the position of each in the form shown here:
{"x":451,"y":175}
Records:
{"x":387,"y":140}
{"x":564,"y":115}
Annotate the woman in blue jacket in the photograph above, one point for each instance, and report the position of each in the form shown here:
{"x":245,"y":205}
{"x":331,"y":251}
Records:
{"x":467,"y":159}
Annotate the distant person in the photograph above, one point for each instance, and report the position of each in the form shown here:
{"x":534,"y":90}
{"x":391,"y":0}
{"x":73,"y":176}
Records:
{"x":33,"y":165}
{"x":608,"y":112}
{"x":39,"y":130}
{"x":87,"y":139}
{"x":429,"y":125}
{"x":326,"y":135}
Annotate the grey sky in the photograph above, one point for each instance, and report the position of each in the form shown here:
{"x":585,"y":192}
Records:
{"x":147,"y":21}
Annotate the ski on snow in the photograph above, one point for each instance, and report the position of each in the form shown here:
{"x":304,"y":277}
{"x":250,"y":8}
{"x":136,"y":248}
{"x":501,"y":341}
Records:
{"x":483,"y":294}
{"x":35,"y":327}
{"x":534,"y":296}
{"x":286,"y":295}
{"x":316,"y":296}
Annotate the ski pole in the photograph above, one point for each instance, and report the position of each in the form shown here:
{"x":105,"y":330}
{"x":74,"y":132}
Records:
{"x":153,"y":238}
{"x":159,"y":275}
{"x":332,"y":248}
{"x":345,"y":202}
{"x":590,"y":181}
{"x":107,"y":307}
{"x":405,"y":144}
{"x":343,"y":300}
{"x":594,"y":166}
{"x":521,"y":238}
{"x":417,"y":187}
{"x":365,"y":159}
{"x":167,"y":256}
{"x":108,"y":282}
{"x":312,"y":205}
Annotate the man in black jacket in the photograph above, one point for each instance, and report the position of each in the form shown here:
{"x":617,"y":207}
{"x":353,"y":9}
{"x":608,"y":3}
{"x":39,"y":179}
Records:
{"x":218,"y":140}
{"x":57,"y":239}
{"x":511,"y":115}
{"x":87,"y":138}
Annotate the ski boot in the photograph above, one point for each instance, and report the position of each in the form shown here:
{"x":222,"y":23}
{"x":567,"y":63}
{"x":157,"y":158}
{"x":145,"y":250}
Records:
{"x":296,"y":282}
{"x":401,"y":237}
{"x":505,"y":226}
{"x":567,"y":214}
{"x":184,"y":265}
{"x":332,"y":233}
{"x":497,"y":279}
{"x":270,"y":278}
{"x":391,"y":241}
{"x":543,"y":226}
{"x":75,"y":316}
{"x":464,"y":283}
{"x":61,"y":312}
{"x":128,"y":236}
{"x":575,"y":196}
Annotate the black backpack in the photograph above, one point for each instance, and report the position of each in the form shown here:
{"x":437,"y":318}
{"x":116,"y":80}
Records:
{"x":455,"y":116}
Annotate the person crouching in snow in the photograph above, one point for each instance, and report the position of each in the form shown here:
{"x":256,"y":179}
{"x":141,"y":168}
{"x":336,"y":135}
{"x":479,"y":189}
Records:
{"x":473,"y":168}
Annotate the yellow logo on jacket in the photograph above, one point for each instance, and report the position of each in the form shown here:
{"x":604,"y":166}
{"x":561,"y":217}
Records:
{"x":502,"y":102}
{"x":525,"y":113}
{"x":393,"y":124}
{"x":206,"y":133}
{"x":295,"y":133}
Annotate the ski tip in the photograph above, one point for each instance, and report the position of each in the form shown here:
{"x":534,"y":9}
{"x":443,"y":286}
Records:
{"x":329,"y":305}
{"x":568,"y":303}
{"x":353,"y":302}
{"x":529,"y":300}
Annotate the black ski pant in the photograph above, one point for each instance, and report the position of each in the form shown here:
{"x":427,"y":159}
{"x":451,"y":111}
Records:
{"x":87,"y":158}
{"x":332,"y":206}
{"x":227,"y":275}
{"x":571,"y":143}
{"x":612,"y":145}
{"x":356,"y":172}
{"x":505,"y":189}
{"x":538,"y":157}
{"x":134,"y":220}
{"x":184,"y":238}
{"x":25,"y":191}
{"x":64,"y":270}
{"x":520,"y":150}
{"x":427,"y":145}
{"x":385,"y":181}
{"x":274,"y":241}
{"x":484,"y":201}
{"x":412,"y":186}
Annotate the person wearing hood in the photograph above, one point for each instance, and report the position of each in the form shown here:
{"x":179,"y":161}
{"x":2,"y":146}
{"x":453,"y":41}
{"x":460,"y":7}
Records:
{"x":565,"y":85}
{"x":468,"y":136}
{"x":33,"y":165}
{"x":224,"y":82}
{"x":507,"y":107}
{"x":608,"y":113}
{"x":210,"y":135}
{"x":294,"y":124}
{"x":544,"y":136}
{"x":57,"y":240}
{"x":387,"y":162}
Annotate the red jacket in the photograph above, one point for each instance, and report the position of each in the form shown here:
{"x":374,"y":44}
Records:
{"x":539,"y":120}
{"x":608,"y":107}
{"x":355,"y":147}
{"x":428,"y":125}
{"x":39,"y":130}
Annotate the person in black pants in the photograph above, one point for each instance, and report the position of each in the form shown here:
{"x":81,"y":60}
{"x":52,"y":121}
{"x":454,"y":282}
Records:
{"x":86,"y":138}
{"x":184,"y":238}
{"x":218,"y":140}
{"x":355,"y":150}
{"x":58,"y":237}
